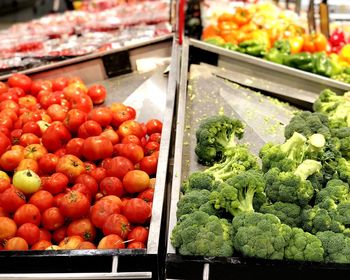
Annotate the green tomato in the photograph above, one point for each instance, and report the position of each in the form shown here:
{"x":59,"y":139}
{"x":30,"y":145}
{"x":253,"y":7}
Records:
{"x":26,"y":181}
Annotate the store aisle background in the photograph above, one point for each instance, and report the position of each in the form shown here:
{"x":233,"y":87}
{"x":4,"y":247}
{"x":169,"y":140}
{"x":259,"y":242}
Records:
{"x":12,"y":11}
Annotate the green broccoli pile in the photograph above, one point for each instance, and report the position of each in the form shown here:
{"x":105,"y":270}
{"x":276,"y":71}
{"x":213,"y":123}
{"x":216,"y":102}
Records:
{"x":292,"y":204}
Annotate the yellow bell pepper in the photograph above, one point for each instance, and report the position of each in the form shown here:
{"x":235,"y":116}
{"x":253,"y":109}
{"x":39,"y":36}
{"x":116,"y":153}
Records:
{"x":344,"y":53}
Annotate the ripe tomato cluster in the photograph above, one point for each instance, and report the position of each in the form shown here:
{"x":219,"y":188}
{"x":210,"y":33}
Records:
{"x":73,"y":175}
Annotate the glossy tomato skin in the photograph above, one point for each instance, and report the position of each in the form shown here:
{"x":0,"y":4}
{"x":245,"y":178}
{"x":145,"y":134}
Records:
{"x":56,"y":183}
{"x":137,"y":211}
{"x":27,"y":213}
{"x":97,"y":94}
{"x":102,"y":115}
{"x":118,"y":167}
{"x":83,"y":103}
{"x":83,"y":189}
{"x":11,"y":199}
{"x":57,"y":112}
{"x":151,"y":147}
{"x":34,"y":151}
{"x":99,"y":173}
{"x":89,"y":181}
{"x":110,"y":134}
{"x":111,"y":186}
{"x":71,"y":242}
{"x":4,"y":143}
{"x":147,"y":195}
{"x":32,"y":127}
{"x":8,"y":228}
{"x":88,"y":129}
{"x":45,"y":234}
{"x":74,"y":119}
{"x":20,"y":80}
{"x":52,"y":218}
{"x":28,"y":138}
{"x":101,"y":210}
{"x":48,"y":162}
{"x":55,"y":137}
{"x":136,"y":245}
{"x":149,"y":164}
{"x":16,"y":244}
{"x":154,"y":126}
{"x":83,"y":228}
{"x":131,"y":151}
{"x":116,"y":224}
{"x":71,"y":166}
{"x":74,"y":205}
{"x":11,"y":159}
{"x":138,"y":234}
{"x":136,"y":181}
{"x":112,"y":241}
{"x":59,"y":234}
{"x":118,"y":117}
{"x":42,"y":199}
{"x":59,"y":83}
{"x":97,"y":148}
{"x":3,"y":88}
{"x":75,"y":147}
{"x":41,"y":245}
{"x":29,"y":232}
{"x":131,"y":127}
{"x":131,"y":139}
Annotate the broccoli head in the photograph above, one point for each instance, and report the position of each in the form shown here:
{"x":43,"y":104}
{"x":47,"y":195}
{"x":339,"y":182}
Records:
{"x":336,"y":246}
{"x":198,"y":181}
{"x":286,"y":156}
{"x":335,"y":190}
{"x":343,"y":134}
{"x":260,"y":235}
{"x":237,"y":193}
{"x":195,"y":200}
{"x":216,"y":136}
{"x":288,"y":213}
{"x":308,"y":123}
{"x":292,"y":187}
{"x":200,"y":234}
{"x":343,"y":170}
{"x":239,"y":161}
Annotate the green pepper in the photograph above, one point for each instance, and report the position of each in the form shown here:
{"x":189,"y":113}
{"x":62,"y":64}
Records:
{"x":343,"y":77}
{"x":231,"y":46}
{"x":278,"y":53}
{"x":322,"y":65}
{"x":303,"y":61}
{"x":218,"y":41}
{"x":347,"y":70}
{"x":252,"y":47}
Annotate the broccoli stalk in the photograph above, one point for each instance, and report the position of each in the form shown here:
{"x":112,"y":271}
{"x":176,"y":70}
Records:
{"x":307,"y":168}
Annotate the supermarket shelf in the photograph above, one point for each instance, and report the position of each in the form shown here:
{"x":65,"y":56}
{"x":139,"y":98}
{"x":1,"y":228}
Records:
{"x":113,"y":264}
{"x":101,"y":65}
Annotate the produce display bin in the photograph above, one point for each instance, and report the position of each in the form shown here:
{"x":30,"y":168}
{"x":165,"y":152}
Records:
{"x":300,"y":89}
{"x":116,"y":71}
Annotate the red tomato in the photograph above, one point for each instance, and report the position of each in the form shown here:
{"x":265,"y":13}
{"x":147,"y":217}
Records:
{"x":11,"y":199}
{"x":149,"y":164}
{"x":41,"y":245}
{"x":39,"y":85}
{"x":17,"y":91}
{"x":155,"y":137}
{"x":3,"y":87}
{"x":97,"y":148}
{"x":11,"y":159}
{"x":89,"y":167}
{"x":29,"y":232}
{"x":154,"y":126}
{"x":44,"y":234}
{"x":147,"y":195}
{"x":4,"y":185}
{"x":136,"y":245}
{"x":136,"y":181}
{"x":131,"y":139}
{"x":112,"y":241}
{"x":102,"y":115}
{"x":35,"y":151}
{"x":57,"y":112}
{"x":117,"y":106}
{"x":118,"y":117}
{"x":131,"y":151}
{"x":132,"y":111}
{"x":82,"y":102}
{"x":47,"y":163}
{"x":74,"y":119}
{"x":28,"y":102}
{"x":118,"y":167}
{"x":61,"y":152}
{"x":88,"y":129}
{"x":16,"y":244}
{"x":9,"y":104}
{"x":111,"y":135}
{"x":71,"y":166}
{"x":59,"y":83}
{"x":52,"y":218}
{"x":20,"y":80}
{"x":74,"y":205}
{"x":97,"y":93}
{"x":99,"y":173}
{"x":55,"y":137}
{"x":86,"y":245}
{"x":75,"y":147}
{"x":55,"y":184}
{"x":137,"y":211}
{"x":27,"y":213}
{"x":71,"y":242}
{"x":42,"y":199}
{"x":151,"y":147}
{"x":4,"y":143}
{"x":116,"y":224}
{"x":83,"y":228}
{"x":8,"y":228}
{"x":101,"y":210}
{"x":88,"y":181}
{"x":28,"y":139}
{"x":138,"y":234}
{"x":130,"y":127}
{"x":59,"y":234}
{"x":32,"y":127}
{"x":111,"y":186}
{"x":28,"y":163}
{"x":83,"y":189}
{"x":9,"y":96}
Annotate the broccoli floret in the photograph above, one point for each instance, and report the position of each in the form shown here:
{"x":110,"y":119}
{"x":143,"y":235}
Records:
{"x":292,"y":187}
{"x":260,"y":235}
{"x":288,"y":213}
{"x":198,"y":181}
{"x":259,"y":200}
{"x":335,"y":190}
{"x":303,"y":246}
{"x":317,"y":219}
{"x":308,"y":123}
{"x":239,"y":161}
{"x":337,"y":107}
{"x":216,"y":136}
{"x":195,"y":200}
{"x":343,"y":169}
{"x":286,"y":156}
{"x":336,"y":247}
{"x":238,"y":192}
{"x":200,"y":234}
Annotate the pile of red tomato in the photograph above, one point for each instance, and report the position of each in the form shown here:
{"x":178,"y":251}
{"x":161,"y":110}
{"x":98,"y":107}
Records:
{"x":73,"y":175}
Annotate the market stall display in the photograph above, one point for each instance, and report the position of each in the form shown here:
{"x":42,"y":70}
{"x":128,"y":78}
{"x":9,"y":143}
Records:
{"x":76,"y":33}
{"x":264,"y":31}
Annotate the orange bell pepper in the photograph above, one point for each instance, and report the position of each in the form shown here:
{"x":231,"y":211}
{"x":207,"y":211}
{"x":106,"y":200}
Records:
{"x":242,"y":16}
{"x":209,"y":31}
{"x":315,"y":42}
{"x":249,"y":27}
{"x":226,"y":27}
{"x":344,"y":53}
{"x":226,"y":17}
